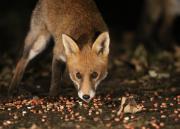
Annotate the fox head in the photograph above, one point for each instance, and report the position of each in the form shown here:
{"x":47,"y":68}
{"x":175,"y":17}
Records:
{"x":87,"y":67}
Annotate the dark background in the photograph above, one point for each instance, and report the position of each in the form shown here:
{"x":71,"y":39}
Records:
{"x":15,"y":15}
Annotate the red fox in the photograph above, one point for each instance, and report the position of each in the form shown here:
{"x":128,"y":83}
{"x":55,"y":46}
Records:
{"x":81,"y":41}
{"x":154,"y":10}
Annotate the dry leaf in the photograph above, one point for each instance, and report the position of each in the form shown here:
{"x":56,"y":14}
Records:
{"x":123,"y":100}
{"x":129,"y":105}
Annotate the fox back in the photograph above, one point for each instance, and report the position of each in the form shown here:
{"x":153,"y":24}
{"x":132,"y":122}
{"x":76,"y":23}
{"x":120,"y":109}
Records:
{"x":72,"y":17}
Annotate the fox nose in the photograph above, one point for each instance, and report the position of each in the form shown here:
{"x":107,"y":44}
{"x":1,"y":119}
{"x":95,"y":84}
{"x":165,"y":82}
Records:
{"x":86,"y":97}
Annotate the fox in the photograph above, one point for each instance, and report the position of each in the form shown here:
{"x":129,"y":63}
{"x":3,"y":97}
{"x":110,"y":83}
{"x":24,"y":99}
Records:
{"x":154,"y":11}
{"x":81,"y":42}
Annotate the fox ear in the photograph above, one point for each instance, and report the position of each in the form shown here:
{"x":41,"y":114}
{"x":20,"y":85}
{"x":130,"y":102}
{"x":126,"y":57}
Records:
{"x":101,"y":45}
{"x":70,"y":45}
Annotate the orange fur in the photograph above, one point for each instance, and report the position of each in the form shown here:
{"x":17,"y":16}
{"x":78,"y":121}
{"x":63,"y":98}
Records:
{"x":74,"y":25}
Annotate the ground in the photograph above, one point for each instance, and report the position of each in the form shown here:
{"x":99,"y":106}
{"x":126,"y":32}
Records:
{"x":152,"y":79}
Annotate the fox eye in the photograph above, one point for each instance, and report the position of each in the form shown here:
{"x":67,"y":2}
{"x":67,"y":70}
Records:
{"x":78,"y":75}
{"x":94,"y":75}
